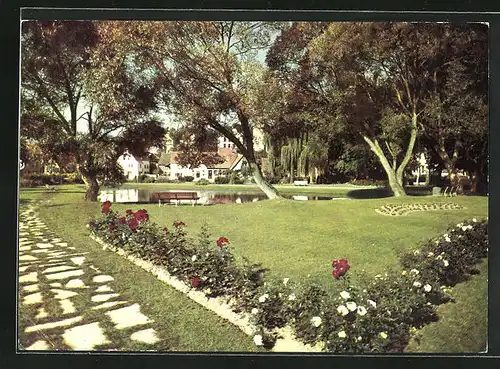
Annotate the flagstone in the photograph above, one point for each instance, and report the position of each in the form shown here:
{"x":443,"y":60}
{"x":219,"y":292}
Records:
{"x":76,"y":283}
{"x":24,"y":248}
{"x":27,"y":258}
{"x":104,"y":288}
{"x":78,"y":260}
{"x":63,"y":294}
{"x":44,"y":245}
{"x":23,"y":268}
{"x":58,"y":269}
{"x":67,"y":306}
{"x":104,"y":297}
{"x":34,"y":298}
{"x":108,"y":305}
{"x":63,"y":244}
{"x":60,"y":323}
{"x":85,"y":337}
{"x":102,"y":278}
{"x":56,"y":284}
{"x":39,"y":345}
{"x":64,"y":275}
{"x":146,"y":336}
{"x":128,"y":317}
{"x":30,"y":277}
{"x":31,"y":288}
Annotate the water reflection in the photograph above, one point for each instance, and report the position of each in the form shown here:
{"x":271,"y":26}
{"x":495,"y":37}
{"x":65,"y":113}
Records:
{"x":206,"y":197}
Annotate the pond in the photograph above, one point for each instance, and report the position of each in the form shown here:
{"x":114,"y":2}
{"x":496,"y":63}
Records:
{"x":206,"y":197}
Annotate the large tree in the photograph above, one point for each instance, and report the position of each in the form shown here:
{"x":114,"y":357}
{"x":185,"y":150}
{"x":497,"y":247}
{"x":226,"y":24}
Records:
{"x":375,"y":80}
{"x":205,"y":72}
{"x":85,"y":114}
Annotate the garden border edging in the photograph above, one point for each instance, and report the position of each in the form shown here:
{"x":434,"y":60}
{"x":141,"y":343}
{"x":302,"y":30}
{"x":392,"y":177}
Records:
{"x":216,"y":304}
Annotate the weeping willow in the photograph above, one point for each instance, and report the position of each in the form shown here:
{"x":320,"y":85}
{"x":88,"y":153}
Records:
{"x":295,"y":157}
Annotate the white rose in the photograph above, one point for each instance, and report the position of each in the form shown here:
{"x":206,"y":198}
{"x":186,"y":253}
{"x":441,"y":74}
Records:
{"x":404,"y":272}
{"x":291,"y":297}
{"x":414,"y":271}
{"x":263,"y":297}
{"x":345,"y":295}
{"x":464,"y":228}
{"x":316,"y":321}
{"x":285,"y":281}
{"x":207,"y":254}
{"x":359,"y":339}
{"x":372,"y":303}
{"x":258,"y":339}
{"x":469,"y":227}
{"x":361,"y":310}
{"x":351,"y":305}
{"x":417,"y":284}
{"x":474,"y":220}
{"x":342,"y":310}
{"x":447,"y":239}
{"x":430,"y":254}
{"x":446,"y":263}
{"x":342,"y":334}
{"x":383,"y":335}
{"x":193,"y":258}
{"x":416,"y":252}
{"x":255,"y":311}
{"x":427,"y":288}
{"x":439,"y":257}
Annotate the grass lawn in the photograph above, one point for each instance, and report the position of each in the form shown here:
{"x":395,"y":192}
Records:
{"x":295,"y":239}
{"x":454,"y":333}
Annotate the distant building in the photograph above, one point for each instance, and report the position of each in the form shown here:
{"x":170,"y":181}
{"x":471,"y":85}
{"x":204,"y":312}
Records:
{"x":133,"y":166}
{"x":170,"y":167}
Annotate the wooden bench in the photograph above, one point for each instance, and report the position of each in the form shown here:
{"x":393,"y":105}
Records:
{"x":175,"y":196}
{"x":300,"y":183}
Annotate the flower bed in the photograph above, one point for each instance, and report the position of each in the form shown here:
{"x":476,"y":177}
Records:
{"x":405,"y":209}
{"x":378,"y":315}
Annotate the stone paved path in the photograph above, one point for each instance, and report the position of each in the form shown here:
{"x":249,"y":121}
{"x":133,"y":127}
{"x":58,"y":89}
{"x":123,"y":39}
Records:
{"x":66,"y":303}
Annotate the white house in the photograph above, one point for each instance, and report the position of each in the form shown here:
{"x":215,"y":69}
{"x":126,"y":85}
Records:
{"x":133,"y":166}
{"x":170,"y":167}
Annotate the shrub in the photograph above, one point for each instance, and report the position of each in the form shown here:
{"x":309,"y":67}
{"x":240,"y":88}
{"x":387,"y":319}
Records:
{"x":221,"y":180}
{"x":451,"y":258}
{"x":369,"y":182}
{"x":149,"y":180}
{"x":188,"y":178}
{"x":273,"y":179}
{"x":164,"y":179}
{"x":203,"y":182}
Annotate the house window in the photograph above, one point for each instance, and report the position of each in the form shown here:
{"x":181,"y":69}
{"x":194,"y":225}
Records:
{"x":210,"y":174}
{"x":224,"y":145}
{"x":197,"y":174}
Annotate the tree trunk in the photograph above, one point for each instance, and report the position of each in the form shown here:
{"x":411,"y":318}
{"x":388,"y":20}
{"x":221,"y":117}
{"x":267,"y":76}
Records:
{"x":395,"y":184}
{"x":90,"y":181}
{"x":270,"y":191}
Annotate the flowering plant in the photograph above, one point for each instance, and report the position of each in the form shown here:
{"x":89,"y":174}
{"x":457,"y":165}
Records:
{"x":340,"y":268}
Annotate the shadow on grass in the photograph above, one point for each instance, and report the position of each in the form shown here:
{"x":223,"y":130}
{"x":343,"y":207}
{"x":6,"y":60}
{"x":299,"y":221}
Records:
{"x":370,"y":193}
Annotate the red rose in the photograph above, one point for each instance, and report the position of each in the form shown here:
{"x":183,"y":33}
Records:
{"x":141,"y":215}
{"x":122,"y":220}
{"x":129,"y":212}
{"x":105,"y":207}
{"x":132,"y":223}
{"x":179,"y":224}
{"x":111,"y":227}
{"x":195,"y":282}
{"x":166,"y":229}
{"x":222,"y":241}
{"x":340,"y":268}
